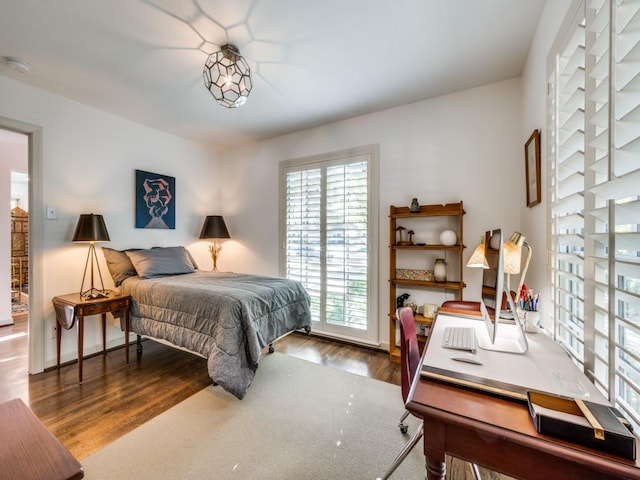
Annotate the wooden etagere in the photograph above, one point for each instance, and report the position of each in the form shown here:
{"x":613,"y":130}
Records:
{"x":455,"y":252}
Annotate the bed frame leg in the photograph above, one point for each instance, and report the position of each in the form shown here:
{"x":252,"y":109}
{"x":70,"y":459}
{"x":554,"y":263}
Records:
{"x":138,"y":345}
{"x":271,"y":349}
{"x":308,"y":330}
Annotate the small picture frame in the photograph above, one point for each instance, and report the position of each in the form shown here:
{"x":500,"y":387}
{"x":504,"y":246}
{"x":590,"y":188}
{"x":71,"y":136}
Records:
{"x":532,"y":168}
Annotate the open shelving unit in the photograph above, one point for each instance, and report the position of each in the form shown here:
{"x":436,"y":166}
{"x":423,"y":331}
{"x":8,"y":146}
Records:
{"x":426,"y":214}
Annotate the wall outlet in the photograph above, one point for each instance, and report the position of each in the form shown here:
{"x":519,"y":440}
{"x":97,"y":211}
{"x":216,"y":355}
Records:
{"x":52,"y":330}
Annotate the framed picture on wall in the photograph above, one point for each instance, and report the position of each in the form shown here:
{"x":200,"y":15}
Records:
{"x":532,"y":168}
{"x":155,"y":200}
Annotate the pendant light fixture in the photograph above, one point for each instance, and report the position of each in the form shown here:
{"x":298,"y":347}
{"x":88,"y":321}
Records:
{"x":228,"y":77}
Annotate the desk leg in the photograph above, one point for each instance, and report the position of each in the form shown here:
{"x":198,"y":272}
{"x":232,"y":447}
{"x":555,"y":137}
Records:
{"x":126,"y":333}
{"x":436,"y":468}
{"x":434,"y":448}
{"x":80,"y":346}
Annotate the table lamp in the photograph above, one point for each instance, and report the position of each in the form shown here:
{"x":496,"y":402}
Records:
{"x":479,"y":259}
{"x":214,"y":228}
{"x":91,"y":228}
{"x":513,"y":259}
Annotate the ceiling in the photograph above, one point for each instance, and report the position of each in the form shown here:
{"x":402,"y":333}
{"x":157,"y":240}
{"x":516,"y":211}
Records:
{"x":313,"y":61}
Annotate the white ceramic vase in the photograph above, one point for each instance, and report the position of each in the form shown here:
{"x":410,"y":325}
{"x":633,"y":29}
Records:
{"x":448,"y":238}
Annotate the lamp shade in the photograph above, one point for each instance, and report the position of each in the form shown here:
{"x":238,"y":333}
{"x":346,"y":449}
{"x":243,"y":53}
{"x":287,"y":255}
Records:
{"x":214,"y":227}
{"x":513,"y":253}
{"x":91,"y":228}
{"x":479,"y":259}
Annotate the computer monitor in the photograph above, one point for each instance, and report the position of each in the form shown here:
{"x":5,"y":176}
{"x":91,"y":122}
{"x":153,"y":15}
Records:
{"x":512,"y":338}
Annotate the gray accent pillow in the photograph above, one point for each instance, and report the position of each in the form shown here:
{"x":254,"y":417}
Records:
{"x":191,"y":259}
{"x":119,"y":264}
{"x":161,"y":261}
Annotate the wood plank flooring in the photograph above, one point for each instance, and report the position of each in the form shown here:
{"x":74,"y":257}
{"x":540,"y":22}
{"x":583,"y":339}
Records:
{"x":115,"y":398}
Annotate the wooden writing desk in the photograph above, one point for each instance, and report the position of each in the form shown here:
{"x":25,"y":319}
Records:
{"x":30,"y":451}
{"x":499,"y":434}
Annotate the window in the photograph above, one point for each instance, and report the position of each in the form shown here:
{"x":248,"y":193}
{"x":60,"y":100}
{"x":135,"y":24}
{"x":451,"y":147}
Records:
{"x":594,"y":195}
{"x":329,"y":237}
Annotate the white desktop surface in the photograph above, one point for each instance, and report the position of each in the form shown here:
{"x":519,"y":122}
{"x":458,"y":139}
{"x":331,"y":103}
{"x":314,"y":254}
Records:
{"x":545,"y":367}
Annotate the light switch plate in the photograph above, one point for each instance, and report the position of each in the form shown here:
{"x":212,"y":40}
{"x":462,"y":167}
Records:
{"x":51,"y":213}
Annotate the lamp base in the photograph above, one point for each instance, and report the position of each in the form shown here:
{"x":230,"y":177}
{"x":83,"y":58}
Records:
{"x":94,"y":293}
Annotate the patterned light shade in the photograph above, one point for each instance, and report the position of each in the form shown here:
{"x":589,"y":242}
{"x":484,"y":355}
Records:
{"x":513,"y":253}
{"x":228,"y":77}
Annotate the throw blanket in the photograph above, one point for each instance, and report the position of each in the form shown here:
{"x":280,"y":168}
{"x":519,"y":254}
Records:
{"x":227,"y":318}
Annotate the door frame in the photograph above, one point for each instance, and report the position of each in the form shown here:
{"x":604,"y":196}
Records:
{"x":36,"y":240}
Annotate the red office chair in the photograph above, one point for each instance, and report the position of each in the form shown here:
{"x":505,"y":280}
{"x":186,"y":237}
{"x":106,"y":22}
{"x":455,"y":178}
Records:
{"x":409,"y":364}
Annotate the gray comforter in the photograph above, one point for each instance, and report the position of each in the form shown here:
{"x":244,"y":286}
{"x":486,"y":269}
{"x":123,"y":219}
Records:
{"x":227,"y":318}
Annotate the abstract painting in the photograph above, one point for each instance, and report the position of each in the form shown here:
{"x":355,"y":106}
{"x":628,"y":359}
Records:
{"x":155,"y":200}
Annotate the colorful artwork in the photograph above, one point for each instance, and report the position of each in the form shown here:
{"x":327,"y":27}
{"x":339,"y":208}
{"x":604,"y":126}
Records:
{"x":155,"y":200}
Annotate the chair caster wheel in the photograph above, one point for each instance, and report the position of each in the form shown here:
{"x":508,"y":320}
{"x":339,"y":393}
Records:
{"x":404,"y":429}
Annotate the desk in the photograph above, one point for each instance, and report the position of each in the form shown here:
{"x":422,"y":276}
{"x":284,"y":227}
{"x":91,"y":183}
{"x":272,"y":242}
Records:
{"x":72,"y":307}
{"x":499,"y":434}
{"x":30,"y":451}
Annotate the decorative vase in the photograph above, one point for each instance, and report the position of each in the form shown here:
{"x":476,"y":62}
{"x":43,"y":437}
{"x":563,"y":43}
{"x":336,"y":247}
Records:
{"x":415,"y":206}
{"x":440,"y":270}
{"x":448,"y":238}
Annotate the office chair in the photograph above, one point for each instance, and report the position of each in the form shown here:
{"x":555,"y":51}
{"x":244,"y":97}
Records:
{"x":409,"y":364}
{"x":461,"y":305}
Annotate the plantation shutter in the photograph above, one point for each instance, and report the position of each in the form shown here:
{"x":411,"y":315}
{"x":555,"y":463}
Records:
{"x":303,"y":232}
{"x":597,"y":274}
{"x":347,"y":244}
{"x":566,"y":181}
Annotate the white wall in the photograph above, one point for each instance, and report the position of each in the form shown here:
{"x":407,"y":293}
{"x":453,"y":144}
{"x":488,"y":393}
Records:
{"x":13,"y":156}
{"x":89,"y":158}
{"x":466,"y":146}
{"x":534,"y":81}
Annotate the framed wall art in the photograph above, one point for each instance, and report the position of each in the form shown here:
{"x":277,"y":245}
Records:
{"x":532,"y":168}
{"x":155,"y":200}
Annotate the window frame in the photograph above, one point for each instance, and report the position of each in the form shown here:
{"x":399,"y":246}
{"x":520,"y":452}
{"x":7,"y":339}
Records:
{"x":369,"y":336}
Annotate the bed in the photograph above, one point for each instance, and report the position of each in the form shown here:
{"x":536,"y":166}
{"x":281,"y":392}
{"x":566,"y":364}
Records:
{"x":228,"y":318}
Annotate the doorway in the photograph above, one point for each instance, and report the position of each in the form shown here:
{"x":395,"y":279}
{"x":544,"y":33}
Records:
{"x":33,"y":136}
{"x":19,"y":231}
{"x":14,"y":164}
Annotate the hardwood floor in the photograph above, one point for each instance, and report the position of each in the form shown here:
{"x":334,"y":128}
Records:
{"x":115,"y":398}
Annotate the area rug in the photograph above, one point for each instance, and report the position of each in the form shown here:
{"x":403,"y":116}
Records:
{"x":18,"y":308}
{"x":298,"y":421}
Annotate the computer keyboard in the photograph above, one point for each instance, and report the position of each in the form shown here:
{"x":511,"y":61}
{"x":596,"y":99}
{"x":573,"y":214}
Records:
{"x":460,"y":338}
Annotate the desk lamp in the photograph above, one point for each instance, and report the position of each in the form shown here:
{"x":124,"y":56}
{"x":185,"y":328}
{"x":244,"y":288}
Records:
{"x":479,"y":259}
{"x":214,"y":228}
{"x":513,"y":259}
{"x":91,"y":228}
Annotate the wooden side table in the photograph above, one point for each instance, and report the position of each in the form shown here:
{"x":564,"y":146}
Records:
{"x":30,"y":451}
{"x":72,"y":307}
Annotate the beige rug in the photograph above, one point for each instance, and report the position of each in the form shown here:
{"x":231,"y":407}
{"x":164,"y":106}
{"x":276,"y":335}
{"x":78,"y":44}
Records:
{"x":298,"y":421}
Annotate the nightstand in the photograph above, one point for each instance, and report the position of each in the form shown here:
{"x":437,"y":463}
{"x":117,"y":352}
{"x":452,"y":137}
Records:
{"x":71,"y":308}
